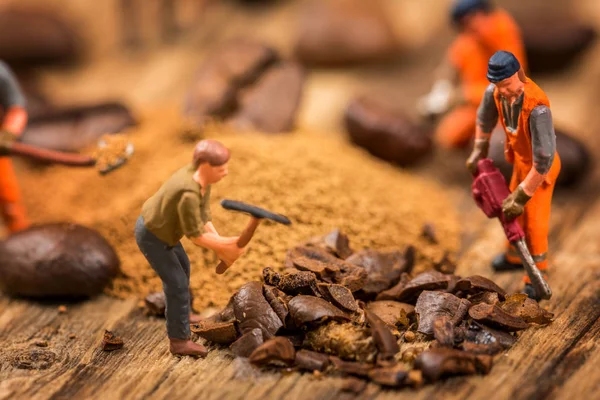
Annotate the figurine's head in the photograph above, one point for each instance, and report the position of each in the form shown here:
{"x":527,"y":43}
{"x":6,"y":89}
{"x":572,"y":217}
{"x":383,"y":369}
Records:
{"x":210,"y":160}
{"x":470,"y":15}
{"x":504,"y":70}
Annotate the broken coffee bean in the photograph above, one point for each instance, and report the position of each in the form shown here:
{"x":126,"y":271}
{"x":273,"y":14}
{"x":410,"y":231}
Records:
{"x":485,"y":297}
{"x":440,"y":362}
{"x":428,"y":280}
{"x":445,"y":265}
{"x":276,"y":300}
{"x":339,"y":295}
{"x":313,"y":310}
{"x":495,"y":317}
{"x":111,"y":342}
{"x":272,"y":103}
{"x":311,"y":360}
{"x":252,"y":310}
{"x":393,"y":292}
{"x":432,"y":305}
{"x":351,"y":368}
{"x":519,"y":305}
{"x":340,"y":32}
{"x":481,"y":339}
{"x":383,"y":269}
{"x":156,"y":303}
{"x":59,"y":259}
{"x":216,"y":332}
{"x":443,"y":331}
{"x":278,"y":350}
{"x":386,"y":133}
{"x":476,"y":284}
{"x":335,"y":242}
{"x":393,"y":313}
{"x":76,"y":128}
{"x":385,"y":342}
{"x":247,"y":343}
{"x":300,"y":282}
{"x":396,"y":376}
{"x":229,"y":68}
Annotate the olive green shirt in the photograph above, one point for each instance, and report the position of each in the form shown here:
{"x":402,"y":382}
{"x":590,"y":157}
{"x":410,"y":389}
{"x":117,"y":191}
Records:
{"x":178,"y":208}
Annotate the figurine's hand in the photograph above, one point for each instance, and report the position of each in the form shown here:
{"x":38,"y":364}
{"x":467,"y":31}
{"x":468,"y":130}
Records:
{"x":6,"y":140}
{"x":514,"y":204}
{"x":230,"y":253}
{"x":480,"y":151}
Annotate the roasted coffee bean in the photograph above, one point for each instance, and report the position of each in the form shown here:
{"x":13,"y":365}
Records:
{"x":271,"y":104}
{"x":216,"y":332}
{"x":428,"y":280}
{"x":476,"y":284}
{"x":58,"y":259}
{"x":311,"y":360}
{"x":338,"y":295}
{"x":227,"y":69}
{"x":340,"y":32}
{"x":440,"y":362}
{"x":396,"y":376}
{"x":252,"y":310}
{"x":335,"y":242}
{"x":278,"y":350}
{"x":75,"y":128}
{"x":382,"y":336}
{"x":443,"y":331}
{"x":383,"y":269}
{"x":386,"y":133}
{"x":485,"y":297}
{"x":30,"y":37}
{"x":309,"y":309}
{"x":575,"y":157}
{"x":393,"y":313}
{"x":494,"y":316}
{"x":484,"y":340}
{"x":394,"y":292}
{"x":300,"y":282}
{"x":247,"y":343}
{"x":527,"y":309}
{"x":276,"y":300}
{"x":552,"y":44}
{"x":352,"y":368}
{"x":432,"y":305}
{"x":111,"y":342}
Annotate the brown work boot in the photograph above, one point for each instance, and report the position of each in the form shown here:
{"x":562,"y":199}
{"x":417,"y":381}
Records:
{"x":182,"y":347}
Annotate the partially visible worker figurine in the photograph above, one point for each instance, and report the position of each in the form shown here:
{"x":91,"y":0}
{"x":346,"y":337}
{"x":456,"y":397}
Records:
{"x":181,"y":208}
{"x":14,"y":120}
{"x":484,"y":29}
{"x":524,"y":112}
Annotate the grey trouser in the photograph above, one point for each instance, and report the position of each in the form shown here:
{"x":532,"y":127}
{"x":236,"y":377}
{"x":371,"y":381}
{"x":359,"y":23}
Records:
{"x":172,"y":265}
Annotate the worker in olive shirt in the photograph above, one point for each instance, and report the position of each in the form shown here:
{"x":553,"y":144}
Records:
{"x":181,"y":208}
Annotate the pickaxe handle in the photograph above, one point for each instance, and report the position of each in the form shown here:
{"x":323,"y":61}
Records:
{"x":56,"y":157}
{"x":244,"y":239}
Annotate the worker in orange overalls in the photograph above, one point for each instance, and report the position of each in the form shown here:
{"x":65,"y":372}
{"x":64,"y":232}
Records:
{"x":461,"y":79}
{"x":524,"y":112}
{"x":14,"y":120}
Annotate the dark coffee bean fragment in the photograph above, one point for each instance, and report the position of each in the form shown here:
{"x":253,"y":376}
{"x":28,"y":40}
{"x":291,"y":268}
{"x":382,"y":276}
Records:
{"x":519,"y":305}
{"x":252,"y":310}
{"x":443,"y":331}
{"x":278,"y":351}
{"x":309,"y":309}
{"x":477,"y":336}
{"x":382,"y":336}
{"x":156,"y":303}
{"x":78,"y":127}
{"x":429,"y":280}
{"x":476,"y":284}
{"x":338,"y":295}
{"x":396,"y":376}
{"x":272,"y":103}
{"x":301,"y":282}
{"x":59,"y":259}
{"x":433,"y":305}
{"x":52,"y":40}
{"x":277,"y":301}
{"x":351,"y":367}
{"x":445,"y":265}
{"x":385,"y":133}
{"x":341,"y":32}
{"x":111,"y":342}
{"x":383,"y":269}
{"x":394,"y":292}
{"x":247,"y":343}
{"x":441,"y":362}
{"x":485,"y":297}
{"x":311,"y":360}
{"x":494,"y":316}
{"x":216,"y":332}
{"x":393,"y":313}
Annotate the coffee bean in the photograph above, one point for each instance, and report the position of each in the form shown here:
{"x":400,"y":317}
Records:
{"x":432,"y":305}
{"x":56,"y":260}
{"x":436,"y":363}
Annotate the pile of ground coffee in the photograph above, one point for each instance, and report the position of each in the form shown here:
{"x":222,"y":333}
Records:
{"x":318,"y":181}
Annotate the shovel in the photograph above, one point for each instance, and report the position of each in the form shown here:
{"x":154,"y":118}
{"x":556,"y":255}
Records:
{"x":75,"y":160}
{"x":256,"y":215}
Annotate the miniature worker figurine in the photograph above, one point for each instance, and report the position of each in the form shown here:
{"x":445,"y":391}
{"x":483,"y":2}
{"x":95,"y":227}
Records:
{"x":461,"y":78}
{"x":530,"y":146}
{"x":181,"y":207}
{"x":14,"y":120}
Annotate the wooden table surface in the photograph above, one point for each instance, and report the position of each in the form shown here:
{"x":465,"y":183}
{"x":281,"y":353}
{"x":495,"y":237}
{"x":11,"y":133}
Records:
{"x":559,"y":361}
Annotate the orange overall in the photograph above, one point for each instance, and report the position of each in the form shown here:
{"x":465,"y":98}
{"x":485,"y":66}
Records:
{"x":11,"y":204}
{"x":469,"y":55}
{"x":519,"y":152}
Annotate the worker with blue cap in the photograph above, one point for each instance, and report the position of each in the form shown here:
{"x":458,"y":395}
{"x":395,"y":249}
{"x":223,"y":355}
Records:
{"x":523,"y":110}
{"x":456,"y":94}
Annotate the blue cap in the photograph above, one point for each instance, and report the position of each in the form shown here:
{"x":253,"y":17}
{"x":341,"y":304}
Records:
{"x":462,"y":8}
{"x":502,"y":65}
